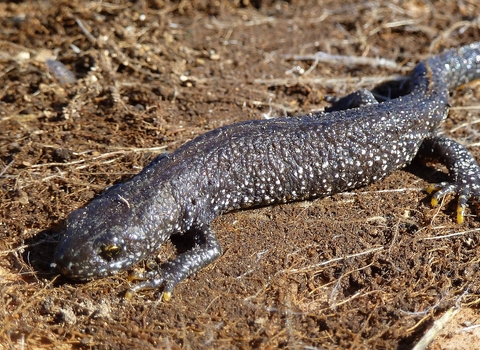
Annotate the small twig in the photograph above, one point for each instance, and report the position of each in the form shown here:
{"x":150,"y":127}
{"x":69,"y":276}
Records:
{"x":85,"y":31}
{"x":439,"y":324}
{"x":421,"y":313}
{"x":466,"y":108}
{"x":364,"y":81}
{"x":312,"y":67}
{"x":285,"y":108}
{"x":236,"y":24}
{"x":436,"y":327}
{"x":450,"y":235}
{"x":466,"y":329}
{"x":334,"y":291}
{"x":446,"y":33}
{"x":476,"y":144}
{"x":460,"y":126}
{"x":324,"y":263}
{"x":437,"y":211}
{"x":7,"y":167}
{"x":21,"y":248}
{"x":104,"y":155}
{"x":393,"y":190}
{"x":349,"y":61}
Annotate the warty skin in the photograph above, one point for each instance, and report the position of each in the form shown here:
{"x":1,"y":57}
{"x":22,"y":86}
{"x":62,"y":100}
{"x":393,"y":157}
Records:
{"x":261,"y":162}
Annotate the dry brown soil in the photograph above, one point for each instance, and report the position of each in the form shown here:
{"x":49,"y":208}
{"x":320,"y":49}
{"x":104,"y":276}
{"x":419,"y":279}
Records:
{"x":369,"y":269}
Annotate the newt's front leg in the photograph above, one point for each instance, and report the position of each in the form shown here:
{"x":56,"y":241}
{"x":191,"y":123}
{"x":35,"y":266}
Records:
{"x":206,"y":250}
{"x":463,"y":168}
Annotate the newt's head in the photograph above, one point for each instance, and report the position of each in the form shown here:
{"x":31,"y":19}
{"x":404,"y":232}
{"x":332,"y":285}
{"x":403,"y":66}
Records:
{"x":101,"y":239}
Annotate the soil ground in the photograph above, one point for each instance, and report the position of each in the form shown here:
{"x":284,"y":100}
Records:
{"x":369,"y":269}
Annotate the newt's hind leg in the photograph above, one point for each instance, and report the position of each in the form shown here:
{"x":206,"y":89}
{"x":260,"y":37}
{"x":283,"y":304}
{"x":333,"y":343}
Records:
{"x":463,"y":168}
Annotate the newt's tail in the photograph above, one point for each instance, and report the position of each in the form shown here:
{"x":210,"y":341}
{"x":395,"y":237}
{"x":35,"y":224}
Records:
{"x":457,"y":66}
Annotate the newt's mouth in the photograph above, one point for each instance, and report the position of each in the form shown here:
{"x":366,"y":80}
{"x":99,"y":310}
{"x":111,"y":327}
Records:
{"x":73,"y":265}
{"x":72,"y":271}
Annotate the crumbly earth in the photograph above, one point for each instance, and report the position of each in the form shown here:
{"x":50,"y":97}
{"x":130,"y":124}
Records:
{"x":372,"y":268}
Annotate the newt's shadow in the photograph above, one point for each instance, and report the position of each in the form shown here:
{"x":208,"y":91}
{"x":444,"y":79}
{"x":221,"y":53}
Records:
{"x":39,"y":252}
{"x":383,"y":92}
{"x":392,"y":89}
{"x":431,"y":176}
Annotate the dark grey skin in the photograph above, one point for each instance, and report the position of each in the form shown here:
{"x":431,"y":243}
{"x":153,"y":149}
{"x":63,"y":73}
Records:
{"x":262,"y":162}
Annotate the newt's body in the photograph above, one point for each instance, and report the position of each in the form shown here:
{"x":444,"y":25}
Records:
{"x":269,"y":161}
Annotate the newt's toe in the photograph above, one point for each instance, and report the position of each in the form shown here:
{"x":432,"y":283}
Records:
{"x":431,"y":188}
{"x":460,"y":214}
{"x":167,"y":296}
{"x":135,"y":276}
{"x":129,"y":294}
{"x":442,"y":189}
{"x":462,"y":204}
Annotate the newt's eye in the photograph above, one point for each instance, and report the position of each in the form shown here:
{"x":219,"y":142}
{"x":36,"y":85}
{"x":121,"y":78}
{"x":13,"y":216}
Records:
{"x":110,"y":251}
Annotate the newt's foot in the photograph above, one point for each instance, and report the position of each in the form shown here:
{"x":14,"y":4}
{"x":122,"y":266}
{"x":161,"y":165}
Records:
{"x":166,"y":296}
{"x":464,"y":192}
{"x":150,"y":282}
{"x":173,"y":272}
{"x":463,"y":169}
